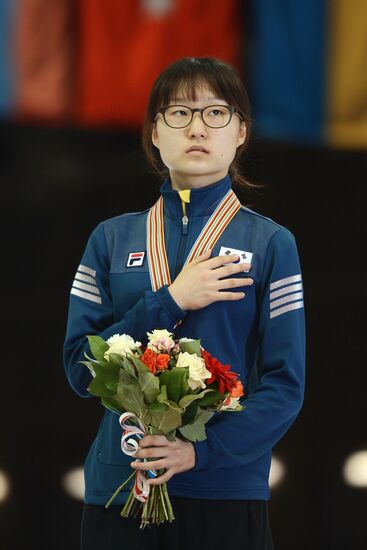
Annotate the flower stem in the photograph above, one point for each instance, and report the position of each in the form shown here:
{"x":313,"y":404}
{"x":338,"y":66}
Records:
{"x":162,"y":497}
{"x":171,"y":515}
{"x":119,"y":489}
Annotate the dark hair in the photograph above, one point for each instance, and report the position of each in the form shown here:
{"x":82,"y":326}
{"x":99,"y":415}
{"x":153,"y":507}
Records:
{"x":186,"y":75}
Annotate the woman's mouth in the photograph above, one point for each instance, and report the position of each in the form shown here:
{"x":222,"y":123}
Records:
{"x":197,"y":149}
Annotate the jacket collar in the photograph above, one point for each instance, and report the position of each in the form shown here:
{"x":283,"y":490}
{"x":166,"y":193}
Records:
{"x":203,"y":201}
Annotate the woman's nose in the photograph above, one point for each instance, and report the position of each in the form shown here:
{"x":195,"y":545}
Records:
{"x":197,"y":125}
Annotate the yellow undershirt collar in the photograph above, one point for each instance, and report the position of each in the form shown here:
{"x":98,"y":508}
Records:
{"x":185,"y":198}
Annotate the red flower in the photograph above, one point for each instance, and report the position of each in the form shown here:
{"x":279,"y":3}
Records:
{"x":149,"y":359}
{"x":162,"y":361}
{"x":237,"y":391}
{"x":226,"y":379}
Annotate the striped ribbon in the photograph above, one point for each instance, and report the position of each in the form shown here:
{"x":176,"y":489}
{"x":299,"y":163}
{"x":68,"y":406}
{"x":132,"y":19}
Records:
{"x":130,"y":446}
{"x":209,"y":235}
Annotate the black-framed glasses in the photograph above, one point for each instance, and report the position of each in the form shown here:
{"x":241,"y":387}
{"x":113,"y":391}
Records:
{"x":214,"y":116}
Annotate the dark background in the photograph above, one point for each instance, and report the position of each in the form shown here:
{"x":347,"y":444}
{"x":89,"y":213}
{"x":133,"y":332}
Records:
{"x":56,"y":185}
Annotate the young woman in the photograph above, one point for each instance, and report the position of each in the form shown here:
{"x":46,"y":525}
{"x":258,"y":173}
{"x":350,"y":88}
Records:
{"x":232,"y":279}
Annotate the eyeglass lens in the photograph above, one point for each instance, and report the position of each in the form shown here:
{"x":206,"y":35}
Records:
{"x":215,"y":116}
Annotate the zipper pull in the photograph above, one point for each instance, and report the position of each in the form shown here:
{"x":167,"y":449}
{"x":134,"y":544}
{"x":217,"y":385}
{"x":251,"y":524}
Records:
{"x":185,"y":225}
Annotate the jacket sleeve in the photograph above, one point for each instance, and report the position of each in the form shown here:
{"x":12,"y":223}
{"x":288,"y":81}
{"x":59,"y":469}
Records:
{"x":91,"y":311}
{"x":239,"y":438}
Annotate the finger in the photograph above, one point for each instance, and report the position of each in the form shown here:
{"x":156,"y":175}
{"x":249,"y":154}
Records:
{"x":158,"y":464}
{"x":201,"y":258}
{"x":219,"y":261}
{"x":151,"y":452}
{"x":161,"y":479}
{"x":230,"y":296}
{"x":153,"y":440}
{"x":230,"y":269}
{"x":233,"y":283}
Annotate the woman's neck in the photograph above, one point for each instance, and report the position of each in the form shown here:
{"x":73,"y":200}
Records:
{"x":180,"y":182}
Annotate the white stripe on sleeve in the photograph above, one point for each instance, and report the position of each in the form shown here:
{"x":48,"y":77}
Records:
{"x":286,"y":281}
{"x":89,"y":288}
{"x":289,"y":298}
{"x":289,"y":307}
{"x":87,"y":270}
{"x":86,"y":295}
{"x":85,"y":278}
{"x":285,"y":290}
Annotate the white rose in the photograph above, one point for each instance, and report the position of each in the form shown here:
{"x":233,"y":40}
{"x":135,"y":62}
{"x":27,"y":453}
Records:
{"x":186,"y":339}
{"x":230,"y":403}
{"x":122,"y":344}
{"x":197,"y":370}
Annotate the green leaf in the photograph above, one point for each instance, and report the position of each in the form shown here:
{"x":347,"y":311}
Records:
{"x":149,"y":385}
{"x":131,"y":398}
{"x":196,"y":430}
{"x":140,"y":366}
{"x":190,"y":413}
{"x":98,"y":347}
{"x":162,"y":396}
{"x":191,"y":347}
{"x":173,"y":405}
{"x":112,"y":404}
{"x":98,"y":388}
{"x":205,"y":415}
{"x":188,"y":399}
{"x":89,"y":364}
{"x":211,"y":398}
{"x":176,"y":381}
{"x":125,"y":378}
{"x":129,"y":368}
{"x":158,"y":407}
{"x":115,"y":359}
{"x":166,"y":421}
{"x":163,"y":400}
{"x":171,"y":435}
{"x":107,"y":374}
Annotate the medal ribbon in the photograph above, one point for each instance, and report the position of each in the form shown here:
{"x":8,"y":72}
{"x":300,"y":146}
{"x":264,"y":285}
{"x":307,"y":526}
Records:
{"x":130,"y":446}
{"x":209,"y":235}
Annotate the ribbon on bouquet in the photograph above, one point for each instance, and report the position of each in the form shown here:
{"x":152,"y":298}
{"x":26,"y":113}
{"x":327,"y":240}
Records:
{"x":130,"y":446}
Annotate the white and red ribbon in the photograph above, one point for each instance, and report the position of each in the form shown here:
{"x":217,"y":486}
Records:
{"x":130,"y":446}
{"x":209,"y":235}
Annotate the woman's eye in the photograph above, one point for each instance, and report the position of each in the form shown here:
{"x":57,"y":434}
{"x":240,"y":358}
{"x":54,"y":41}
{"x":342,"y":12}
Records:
{"x":179,"y":113}
{"x":216,"y":112}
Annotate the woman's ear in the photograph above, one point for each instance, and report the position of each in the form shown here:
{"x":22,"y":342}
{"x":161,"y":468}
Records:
{"x":241,"y":134}
{"x":155,"y":140}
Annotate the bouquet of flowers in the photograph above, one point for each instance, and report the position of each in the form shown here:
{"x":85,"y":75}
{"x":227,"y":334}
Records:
{"x":170,"y":387}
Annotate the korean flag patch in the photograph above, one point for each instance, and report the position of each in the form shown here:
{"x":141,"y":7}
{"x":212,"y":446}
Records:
{"x":135,"y":259}
{"x":245,"y":257}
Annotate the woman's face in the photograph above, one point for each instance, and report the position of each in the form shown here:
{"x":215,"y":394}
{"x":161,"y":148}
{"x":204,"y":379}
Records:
{"x":216,"y":146}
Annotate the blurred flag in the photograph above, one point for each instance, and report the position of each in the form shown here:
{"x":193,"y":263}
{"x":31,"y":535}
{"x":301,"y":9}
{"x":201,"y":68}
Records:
{"x":93,"y":63}
{"x":7,"y":8}
{"x":308,"y":72}
{"x":44,"y":53}
{"x":124,"y":44}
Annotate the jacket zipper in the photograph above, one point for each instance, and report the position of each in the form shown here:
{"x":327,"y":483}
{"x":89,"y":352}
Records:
{"x":183,"y":241}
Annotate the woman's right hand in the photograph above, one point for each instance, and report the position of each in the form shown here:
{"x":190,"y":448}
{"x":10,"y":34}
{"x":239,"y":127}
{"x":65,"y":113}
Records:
{"x":202,"y":282}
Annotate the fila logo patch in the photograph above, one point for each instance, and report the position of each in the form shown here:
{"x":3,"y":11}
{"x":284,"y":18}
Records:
{"x":135,"y":259}
{"x":245,"y":257}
